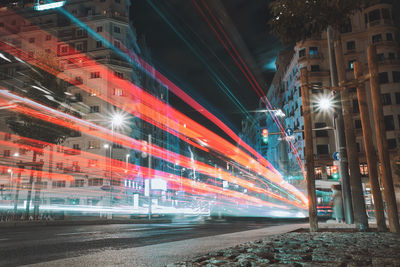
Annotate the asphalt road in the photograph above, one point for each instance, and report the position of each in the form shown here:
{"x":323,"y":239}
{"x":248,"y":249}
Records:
{"x":28,"y":245}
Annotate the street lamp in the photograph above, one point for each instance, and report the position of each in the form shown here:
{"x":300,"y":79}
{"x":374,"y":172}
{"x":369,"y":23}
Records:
{"x":325,"y":103}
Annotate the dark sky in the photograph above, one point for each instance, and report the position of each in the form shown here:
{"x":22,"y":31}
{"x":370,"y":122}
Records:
{"x":199,"y":64}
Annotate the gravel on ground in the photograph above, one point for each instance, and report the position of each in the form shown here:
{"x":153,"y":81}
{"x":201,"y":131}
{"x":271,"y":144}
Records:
{"x":328,"y":247}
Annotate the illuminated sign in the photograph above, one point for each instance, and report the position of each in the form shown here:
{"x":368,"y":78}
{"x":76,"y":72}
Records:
{"x":46,"y":6}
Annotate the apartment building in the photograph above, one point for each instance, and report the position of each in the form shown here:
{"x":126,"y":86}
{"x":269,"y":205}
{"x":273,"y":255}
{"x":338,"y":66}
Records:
{"x":373,"y":25}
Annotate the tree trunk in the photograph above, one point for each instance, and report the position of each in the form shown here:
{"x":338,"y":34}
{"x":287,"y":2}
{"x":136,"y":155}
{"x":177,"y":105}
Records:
{"x":370,"y":150}
{"x":309,"y":154}
{"x":360,"y":216}
{"x":381,"y":141}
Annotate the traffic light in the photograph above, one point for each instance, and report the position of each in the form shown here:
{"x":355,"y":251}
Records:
{"x":265,"y":135}
{"x":335,"y":174}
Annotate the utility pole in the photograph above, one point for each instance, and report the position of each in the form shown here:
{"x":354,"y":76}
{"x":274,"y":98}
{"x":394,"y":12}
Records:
{"x":340,"y":138}
{"x":149,"y":165}
{"x":369,"y":149}
{"x":309,"y":154}
{"x":381,"y":141}
{"x":360,"y":216}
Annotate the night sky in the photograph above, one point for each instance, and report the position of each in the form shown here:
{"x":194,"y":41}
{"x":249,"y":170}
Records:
{"x":190,"y":63}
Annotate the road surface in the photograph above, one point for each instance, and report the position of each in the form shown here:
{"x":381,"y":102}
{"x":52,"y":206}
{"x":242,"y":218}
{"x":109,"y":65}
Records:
{"x":41,"y":244}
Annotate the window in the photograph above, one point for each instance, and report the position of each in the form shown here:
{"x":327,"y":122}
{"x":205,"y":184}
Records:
{"x":302,"y":52}
{"x":117,"y":29}
{"x":374,"y":15}
{"x":48,"y":37}
{"x":352,"y":90}
{"x":316,"y":88}
{"x":385,"y":13}
{"x":357,"y":124}
{"x":381,"y":57}
{"x":318,"y":173}
{"x":94,"y":75}
{"x":64,"y":49}
{"x":383,"y":77}
{"x":118,"y":74}
{"x":321,"y":133}
{"x":79,"y":32}
{"x":351,"y":45}
{"x":7,"y":136}
{"x":358,"y":147}
{"x":58,"y":184}
{"x":79,"y":47}
{"x":76,"y":146}
{"x":356,"y":107}
{"x":315,"y":68}
{"x":397,"y":98}
{"x":6,"y":153}
{"x":118,"y":92}
{"x":117,"y":44}
{"x":346,"y":27}
{"x":351,"y":64}
{"x":391,"y":55}
{"x":99,"y":44}
{"x":117,"y":1}
{"x":94,"y":144}
{"x":99,"y":29}
{"x":31,"y":40}
{"x":363,"y":169}
{"x":59,"y":165}
{"x":396,"y":76}
{"x":389,"y":122}
{"x":94,"y":109}
{"x":377,"y":38}
{"x":95,"y":182}
{"x":47,"y":50}
{"x":389,"y":36}
{"x":386,"y":99}
{"x":323,"y":149}
{"x":78,"y":80}
{"x":392,"y":144}
{"x":78,"y":183}
{"x":313,"y":51}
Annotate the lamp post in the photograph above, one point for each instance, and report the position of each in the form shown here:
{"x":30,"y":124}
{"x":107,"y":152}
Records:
{"x":182,"y":170}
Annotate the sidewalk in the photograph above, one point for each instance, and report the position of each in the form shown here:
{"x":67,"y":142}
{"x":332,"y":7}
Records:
{"x":335,"y":245}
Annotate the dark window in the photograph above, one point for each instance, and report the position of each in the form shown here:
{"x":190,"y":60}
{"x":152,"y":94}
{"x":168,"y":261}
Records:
{"x":389,"y":123}
{"x":351,"y":45}
{"x":316,"y":88}
{"x":118,"y":74}
{"x":313,"y":51}
{"x":315,"y":68}
{"x":99,"y":28}
{"x":95,"y":74}
{"x":392,"y":144}
{"x":383,"y":77}
{"x":385,"y":13}
{"x":386,"y":99}
{"x":357,"y":124}
{"x":374,"y":15}
{"x":117,"y":44}
{"x":346,"y":27}
{"x":396,"y":76}
{"x":7,"y":153}
{"x":358,"y":147}
{"x":302,"y":52}
{"x":94,"y":109}
{"x":356,"y":108}
{"x":117,"y":29}
{"x":381,"y":57}
{"x":321,"y":133}
{"x":99,"y":44}
{"x":377,"y":38}
{"x":48,"y":37}
{"x":391,"y":55}
{"x":79,"y":32}
{"x":389,"y":36}
{"x":323,"y":149}
{"x":397,"y":98}
{"x":31,"y":40}
{"x":352,"y":90}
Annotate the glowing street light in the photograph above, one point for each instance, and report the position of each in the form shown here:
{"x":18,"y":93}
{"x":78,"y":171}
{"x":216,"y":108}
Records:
{"x":325,"y":103}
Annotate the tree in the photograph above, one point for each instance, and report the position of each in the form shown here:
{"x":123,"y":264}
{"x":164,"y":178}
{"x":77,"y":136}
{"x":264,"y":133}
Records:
{"x":298,"y":20}
{"x":44,"y":88}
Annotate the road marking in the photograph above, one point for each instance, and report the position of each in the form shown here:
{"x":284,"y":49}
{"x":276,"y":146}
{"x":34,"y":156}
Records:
{"x":77,"y":233}
{"x":3,"y":239}
{"x":138,"y":229}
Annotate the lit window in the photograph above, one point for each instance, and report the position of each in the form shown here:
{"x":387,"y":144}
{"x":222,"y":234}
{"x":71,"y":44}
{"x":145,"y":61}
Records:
{"x":94,"y":144}
{"x":118,"y":92}
{"x":48,"y":37}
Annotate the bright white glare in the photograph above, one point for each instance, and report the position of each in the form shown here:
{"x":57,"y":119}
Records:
{"x":39,"y":7}
{"x":280,"y":113}
{"x":9,"y":171}
{"x":106,"y":146}
{"x":4,"y":57}
{"x":325,"y":103}
{"x":16,"y":154}
{"x":117,"y":120}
